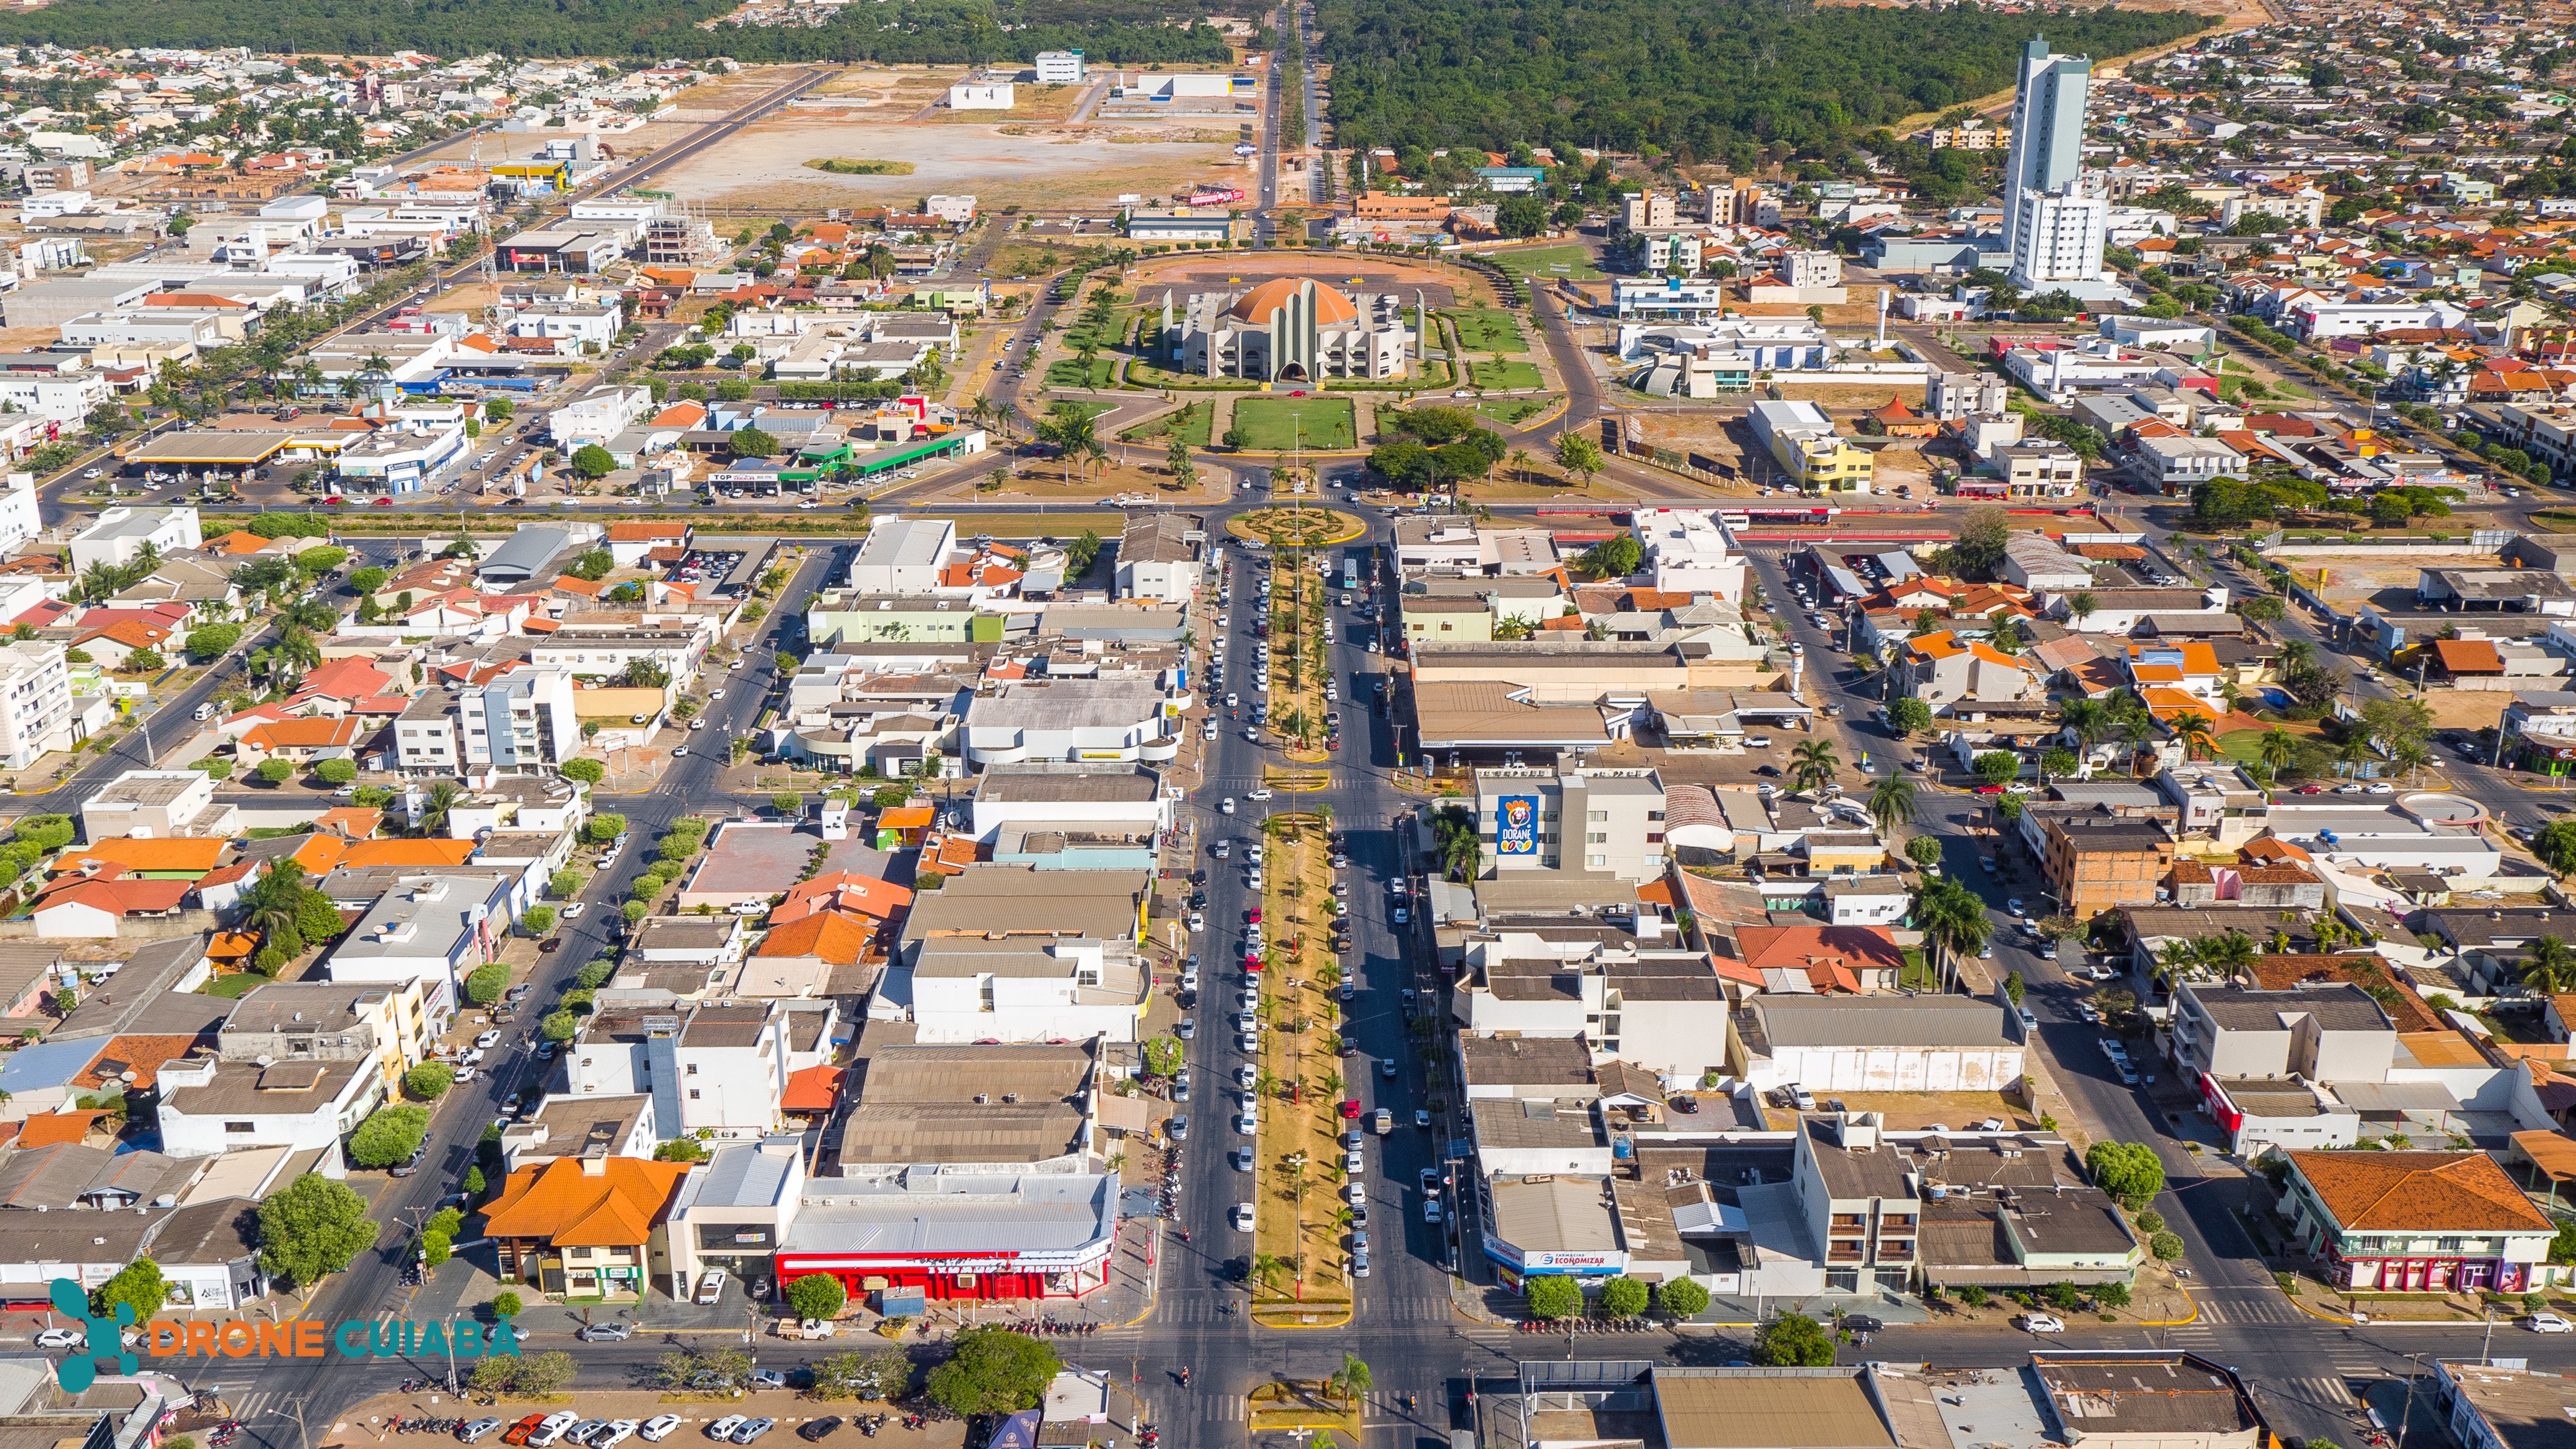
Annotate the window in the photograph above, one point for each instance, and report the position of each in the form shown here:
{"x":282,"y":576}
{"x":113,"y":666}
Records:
{"x":578,"y":1255}
{"x":694,"y":1094}
{"x":1596,"y":860}
{"x":693,"y":1069}
{"x":241,"y":1126}
{"x":1596,"y":837}
{"x":1596,"y":815}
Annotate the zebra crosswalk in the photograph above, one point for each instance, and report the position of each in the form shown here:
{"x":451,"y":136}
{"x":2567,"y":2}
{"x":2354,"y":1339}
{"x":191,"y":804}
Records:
{"x":2265,"y":1308}
{"x":1384,"y":1405}
{"x":1429,"y":1309}
{"x":250,"y":1404}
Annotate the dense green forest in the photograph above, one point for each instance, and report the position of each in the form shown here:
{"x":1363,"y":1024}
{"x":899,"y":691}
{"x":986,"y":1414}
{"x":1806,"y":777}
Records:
{"x":1119,"y":32}
{"x":1705,"y":80}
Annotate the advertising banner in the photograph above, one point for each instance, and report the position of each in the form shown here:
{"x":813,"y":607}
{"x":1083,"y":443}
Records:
{"x":1516,"y":825}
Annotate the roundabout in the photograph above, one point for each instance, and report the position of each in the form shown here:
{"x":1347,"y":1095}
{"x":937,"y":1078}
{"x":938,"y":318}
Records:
{"x":1286,"y":527}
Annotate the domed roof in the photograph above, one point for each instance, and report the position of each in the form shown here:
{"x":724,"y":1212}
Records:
{"x":1257,"y":305}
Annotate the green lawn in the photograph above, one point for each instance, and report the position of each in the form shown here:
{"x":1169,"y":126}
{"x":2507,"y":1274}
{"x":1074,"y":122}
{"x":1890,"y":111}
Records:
{"x":1488,"y":329}
{"x":233,"y":987}
{"x":1510,"y":376}
{"x":1194,"y":423}
{"x":1272,"y":424}
{"x":1510,"y":410}
{"x":1545,"y":262}
{"x":1068,"y":372}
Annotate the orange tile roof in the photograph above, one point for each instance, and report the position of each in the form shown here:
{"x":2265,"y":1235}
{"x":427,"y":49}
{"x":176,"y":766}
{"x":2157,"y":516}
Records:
{"x":828,"y":936}
{"x":304,"y":734}
{"x":350,"y":820}
{"x":645,"y":532}
{"x":1827,"y":955}
{"x":120,"y":897}
{"x":144,"y":1056}
{"x":2430,"y":1192}
{"x":231,"y":945}
{"x":319,"y":853}
{"x":2395,"y":996}
{"x":187,"y":853}
{"x":364,"y":853}
{"x":558,"y":1202}
{"x":2468,"y":656}
{"x":814,"y":1089}
{"x":54,"y":1129}
{"x":238,"y":541}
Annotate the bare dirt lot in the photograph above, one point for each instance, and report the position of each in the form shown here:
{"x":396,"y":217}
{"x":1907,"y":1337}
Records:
{"x":764,"y":165}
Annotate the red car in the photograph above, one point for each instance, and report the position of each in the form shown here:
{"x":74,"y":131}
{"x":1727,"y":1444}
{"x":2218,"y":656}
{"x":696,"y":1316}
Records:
{"x":1256,"y":915}
{"x":334,"y":501}
{"x":1350,"y":1110}
{"x":384,"y":503}
{"x":1990,"y":789}
{"x":1251,"y":961}
{"x":2309,"y":790}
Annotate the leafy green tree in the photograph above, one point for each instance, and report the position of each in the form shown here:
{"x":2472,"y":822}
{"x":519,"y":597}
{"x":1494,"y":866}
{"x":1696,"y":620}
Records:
{"x":1682,"y":1298}
{"x":2166,"y":1246}
{"x":2556,"y":845}
{"x":1793,"y":1340}
{"x":817,"y":1295}
{"x":681,"y":1149}
{"x":1908,"y":716}
{"x":1552,"y":1296}
{"x":604,"y":828}
{"x":1924,"y":850}
{"x":139,"y":1284}
{"x":389,"y":1135}
{"x":429,"y":1081}
{"x":751,"y":443}
{"x":48,"y":833}
{"x":2014,"y":987}
{"x":1580,"y":456}
{"x":1612,"y":558}
{"x":588,"y":772}
{"x":274,"y":772}
{"x":1623,"y":1297}
{"x":994,"y":1371}
{"x":593,"y":462}
{"x":506,"y":1304}
{"x":487,"y":983}
{"x":207,"y":642}
{"x":336,"y":772}
{"x":1998,"y":767}
{"x":566,"y":883}
{"x":560,"y":1025}
{"x":537,"y":920}
{"x":312,"y":1228}
{"x":2129,"y":1171}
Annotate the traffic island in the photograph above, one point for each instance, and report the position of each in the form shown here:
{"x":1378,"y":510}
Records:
{"x":1286,"y":527}
{"x":1299,"y":664}
{"x":1300,"y":1265}
{"x":1313,"y":1406}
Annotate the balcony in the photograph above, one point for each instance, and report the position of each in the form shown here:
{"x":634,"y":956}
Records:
{"x":1846,"y":1253}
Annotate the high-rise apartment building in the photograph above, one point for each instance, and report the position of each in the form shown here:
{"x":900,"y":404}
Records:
{"x":2052,"y":232}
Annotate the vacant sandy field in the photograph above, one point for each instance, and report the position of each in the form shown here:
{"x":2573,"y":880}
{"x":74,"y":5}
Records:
{"x":765,"y":165}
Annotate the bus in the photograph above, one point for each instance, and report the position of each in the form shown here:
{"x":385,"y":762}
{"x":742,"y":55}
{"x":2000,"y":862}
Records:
{"x":1351,"y":561}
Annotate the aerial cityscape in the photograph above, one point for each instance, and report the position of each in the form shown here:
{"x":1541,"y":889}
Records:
{"x":1089,"y":723}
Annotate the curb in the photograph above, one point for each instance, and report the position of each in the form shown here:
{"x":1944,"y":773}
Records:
{"x":2179,"y":1322}
{"x":1259,"y":1322}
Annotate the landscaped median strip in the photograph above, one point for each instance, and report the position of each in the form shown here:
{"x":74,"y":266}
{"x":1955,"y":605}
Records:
{"x":1300,"y":1212}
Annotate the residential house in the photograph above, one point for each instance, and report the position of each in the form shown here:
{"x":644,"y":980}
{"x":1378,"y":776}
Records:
{"x":587,"y":1226}
{"x":2415,"y":1222}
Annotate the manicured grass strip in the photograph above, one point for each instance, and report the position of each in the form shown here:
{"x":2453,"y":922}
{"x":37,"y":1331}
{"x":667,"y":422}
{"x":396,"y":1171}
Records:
{"x":1275,"y":424}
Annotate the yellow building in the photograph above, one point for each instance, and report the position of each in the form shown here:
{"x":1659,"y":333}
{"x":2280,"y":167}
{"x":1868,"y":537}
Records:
{"x":1802,"y":441}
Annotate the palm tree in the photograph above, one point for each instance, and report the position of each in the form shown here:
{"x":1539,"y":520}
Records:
{"x":1330,"y":1083}
{"x":2088,"y":721}
{"x":2550,"y":970}
{"x":1266,"y":1266}
{"x":1952,"y":919}
{"x":1891,"y":802}
{"x":2193,"y":731}
{"x":2178,"y":959}
{"x":435,"y":805}
{"x":2278,"y":750}
{"x":2229,"y":952}
{"x":1813,"y":765}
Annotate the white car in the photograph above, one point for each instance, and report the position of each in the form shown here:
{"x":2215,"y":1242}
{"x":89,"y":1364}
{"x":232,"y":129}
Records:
{"x":715,"y":694}
{"x":2549,"y":1323}
{"x":60,"y":1338}
{"x":573,"y":912}
{"x":723,"y":1428}
{"x":489,"y":1039}
{"x":1257,"y":792}
{"x":2043,"y":1323}
{"x":677,"y":750}
{"x":1198,"y":921}
{"x":1243,"y":1217}
{"x":470,"y":1057}
{"x":618,"y":1432}
{"x":658,"y":1428}
{"x":2382,"y":787}
{"x":1225,"y":806}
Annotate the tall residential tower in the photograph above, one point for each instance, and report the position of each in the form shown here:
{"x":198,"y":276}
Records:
{"x":2053,"y":233}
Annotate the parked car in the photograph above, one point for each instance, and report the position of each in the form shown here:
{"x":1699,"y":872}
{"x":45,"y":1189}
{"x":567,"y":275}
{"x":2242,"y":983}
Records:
{"x":2043,"y":1323}
{"x":753,"y":1429}
{"x":659,"y":1427}
{"x":819,"y":1428}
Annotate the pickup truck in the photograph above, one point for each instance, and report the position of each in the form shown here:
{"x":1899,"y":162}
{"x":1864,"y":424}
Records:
{"x":1383,"y":1122}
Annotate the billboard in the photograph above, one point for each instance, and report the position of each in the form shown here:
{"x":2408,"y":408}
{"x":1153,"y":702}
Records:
{"x":1573,"y":1264}
{"x":1516,"y":825}
{"x":1216,"y":198}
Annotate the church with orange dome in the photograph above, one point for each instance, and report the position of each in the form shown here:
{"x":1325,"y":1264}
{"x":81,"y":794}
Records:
{"x":1288,"y":329}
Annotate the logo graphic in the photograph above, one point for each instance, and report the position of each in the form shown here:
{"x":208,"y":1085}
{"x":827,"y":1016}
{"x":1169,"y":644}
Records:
{"x":106,"y":1338}
{"x":1516,"y":825}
